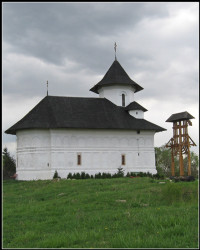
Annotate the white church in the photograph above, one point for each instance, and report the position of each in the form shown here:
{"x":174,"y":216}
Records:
{"x":91,"y":135}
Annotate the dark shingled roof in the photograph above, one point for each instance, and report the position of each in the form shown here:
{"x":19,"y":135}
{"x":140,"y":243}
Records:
{"x":180,"y":117}
{"x":116,"y":75}
{"x":135,"y":106}
{"x":79,"y":112}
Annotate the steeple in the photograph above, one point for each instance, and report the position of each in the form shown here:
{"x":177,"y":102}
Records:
{"x":116,"y":75}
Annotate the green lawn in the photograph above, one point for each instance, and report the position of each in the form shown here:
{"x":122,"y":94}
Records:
{"x":100,"y":213}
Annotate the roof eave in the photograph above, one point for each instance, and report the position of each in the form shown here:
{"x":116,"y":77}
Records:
{"x":10,"y":131}
{"x":178,"y":119}
{"x":96,"y":87}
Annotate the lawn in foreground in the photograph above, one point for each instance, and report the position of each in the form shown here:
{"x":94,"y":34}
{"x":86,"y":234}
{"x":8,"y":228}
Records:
{"x":100,"y":213}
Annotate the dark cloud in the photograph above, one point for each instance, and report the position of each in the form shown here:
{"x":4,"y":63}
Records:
{"x":53,"y":31}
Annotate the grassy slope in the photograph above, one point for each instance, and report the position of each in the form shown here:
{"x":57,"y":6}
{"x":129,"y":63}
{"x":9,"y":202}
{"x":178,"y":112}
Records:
{"x":85,"y":214}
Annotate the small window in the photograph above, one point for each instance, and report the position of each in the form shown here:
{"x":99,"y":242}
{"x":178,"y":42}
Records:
{"x":123,"y":100}
{"x":123,"y":160}
{"x":78,"y":159}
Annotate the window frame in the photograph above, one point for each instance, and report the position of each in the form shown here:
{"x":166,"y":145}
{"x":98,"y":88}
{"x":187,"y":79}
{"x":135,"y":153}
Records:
{"x":123,"y":100}
{"x":123,"y":159}
{"x":79,"y":159}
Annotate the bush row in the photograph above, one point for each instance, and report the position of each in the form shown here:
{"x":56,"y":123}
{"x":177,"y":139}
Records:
{"x":84,"y":175}
{"x":119,"y":174}
{"x":142,"y":174}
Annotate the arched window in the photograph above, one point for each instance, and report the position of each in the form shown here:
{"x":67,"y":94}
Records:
{"x":123,"y":100}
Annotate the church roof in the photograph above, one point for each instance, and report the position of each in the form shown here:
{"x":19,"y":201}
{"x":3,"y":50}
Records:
{"x":116,"y":75}
{"x":135,"y":106}
{"x":180,"y":117}
{"x":54,"y":112}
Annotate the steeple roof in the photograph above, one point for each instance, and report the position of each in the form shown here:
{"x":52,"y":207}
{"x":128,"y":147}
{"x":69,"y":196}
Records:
{"x":135,"y":106}
{"x":116,"y":75}
{"x":180,"y":117}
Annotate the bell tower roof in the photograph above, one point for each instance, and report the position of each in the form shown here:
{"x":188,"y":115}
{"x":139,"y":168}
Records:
{"x":114,"y":76}
{"x":180,"y":117}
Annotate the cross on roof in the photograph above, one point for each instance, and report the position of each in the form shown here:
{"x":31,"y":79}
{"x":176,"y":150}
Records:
{"x":115,"y":46}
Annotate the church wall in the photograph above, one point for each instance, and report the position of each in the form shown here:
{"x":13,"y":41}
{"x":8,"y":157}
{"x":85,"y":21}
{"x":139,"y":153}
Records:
{"x":41,"y":152}
{"x":33,"y":154}
{"x":114,"y":94}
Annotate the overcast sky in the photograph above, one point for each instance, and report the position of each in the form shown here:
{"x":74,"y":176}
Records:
{"x":72,"y":46}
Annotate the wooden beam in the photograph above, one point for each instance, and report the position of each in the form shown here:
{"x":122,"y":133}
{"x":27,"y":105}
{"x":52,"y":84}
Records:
{"x":181,"y":164}
{"x":172,"y":164}
{"x":180,"y":153}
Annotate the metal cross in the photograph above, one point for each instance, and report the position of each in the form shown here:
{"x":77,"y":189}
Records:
{"x":47,"y":88}
{"x":115,"y":46}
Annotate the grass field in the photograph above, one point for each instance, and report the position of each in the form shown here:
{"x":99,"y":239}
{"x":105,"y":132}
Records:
{"x":100,"y":213}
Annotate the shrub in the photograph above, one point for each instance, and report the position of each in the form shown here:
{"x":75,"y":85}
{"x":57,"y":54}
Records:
{"x":74,"y":176}
{"x":114,"y":175}
{"x":120,"y":172}
{"x":149,"y":174}
{"x":133,"y":174}
{"x":104,"y":175}
{"x":128,"y":174}
{"x":69,"y":176}
{"x":87,"y":176}
{"x":77,"y":176}
{"x":109,"y":175}
{"x":56,"y":175}
{"x":83,"y":175}
{"x":141,"y":174}
{"x":98,"y":176}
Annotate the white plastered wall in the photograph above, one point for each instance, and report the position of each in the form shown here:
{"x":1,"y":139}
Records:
{"x":114,"y":94}
{"x":41,"y":152}
{"x":139,"y":114}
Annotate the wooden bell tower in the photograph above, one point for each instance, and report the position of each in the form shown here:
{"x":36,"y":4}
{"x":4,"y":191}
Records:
{"x":180,"y":142}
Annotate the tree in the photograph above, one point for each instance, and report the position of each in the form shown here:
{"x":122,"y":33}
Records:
{"x":194,"y":164}
{"x":9,"y":165}
{"x":163,"y":162}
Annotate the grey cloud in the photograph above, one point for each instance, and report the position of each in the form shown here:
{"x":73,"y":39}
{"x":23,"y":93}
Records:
{"x":53,"y":31}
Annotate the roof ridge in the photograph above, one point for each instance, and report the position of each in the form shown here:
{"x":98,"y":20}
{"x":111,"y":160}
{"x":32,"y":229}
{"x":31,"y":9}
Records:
{"x":76,"y":97}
